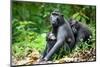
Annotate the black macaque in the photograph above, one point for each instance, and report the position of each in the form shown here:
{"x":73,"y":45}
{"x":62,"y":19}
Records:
{"x":62,"y":32}
{"x":81,"y":31}
{"x":51,"y":40}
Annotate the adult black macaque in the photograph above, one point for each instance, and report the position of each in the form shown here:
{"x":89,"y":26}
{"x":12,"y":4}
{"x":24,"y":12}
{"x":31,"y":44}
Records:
{"x":81,"y":31}
{"x":62,"y":31}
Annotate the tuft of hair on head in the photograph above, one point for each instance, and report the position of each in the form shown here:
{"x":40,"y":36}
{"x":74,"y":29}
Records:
{"x":56,"y":11}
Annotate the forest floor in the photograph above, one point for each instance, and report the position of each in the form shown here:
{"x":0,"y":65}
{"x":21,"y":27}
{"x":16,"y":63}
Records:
{"x":80,"y":56}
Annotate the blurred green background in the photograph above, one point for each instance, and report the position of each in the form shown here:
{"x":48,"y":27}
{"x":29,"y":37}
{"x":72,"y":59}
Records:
{"x":30,"y":23}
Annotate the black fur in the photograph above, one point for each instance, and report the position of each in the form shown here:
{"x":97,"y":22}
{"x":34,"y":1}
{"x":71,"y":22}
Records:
{"x":62,"y":32}
{"x":51,"y":40}
{"x":81,"y":31}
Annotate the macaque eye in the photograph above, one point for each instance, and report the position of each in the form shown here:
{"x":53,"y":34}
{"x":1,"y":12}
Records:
{"x":72,"y":25}
{"x":57,"y":19}
{"x":54,"y":14}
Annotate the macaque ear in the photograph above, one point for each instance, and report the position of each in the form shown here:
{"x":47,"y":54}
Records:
{"x":76,"y":22}
{"x":62,"y":15}
{"x":70,"y":19}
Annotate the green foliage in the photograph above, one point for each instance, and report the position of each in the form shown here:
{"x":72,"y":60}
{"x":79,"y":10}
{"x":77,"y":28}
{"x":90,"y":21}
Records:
{"x":21,"y":49}
{"x":30,"y":23}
